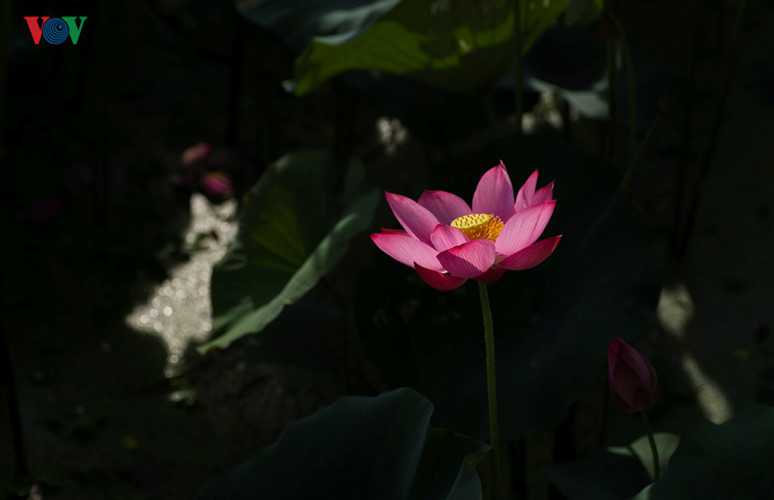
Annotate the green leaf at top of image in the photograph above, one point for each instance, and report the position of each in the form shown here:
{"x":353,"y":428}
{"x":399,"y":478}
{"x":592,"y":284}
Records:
{"x":455,"y":45}
{"x":297,"y":21}
{"x":731,"y":460}
{"x":582,"y":11}
{"x":360,"y":447}
{"x":292,"y":232}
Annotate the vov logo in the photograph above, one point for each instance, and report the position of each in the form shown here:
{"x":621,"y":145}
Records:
{"x":55,"y":29}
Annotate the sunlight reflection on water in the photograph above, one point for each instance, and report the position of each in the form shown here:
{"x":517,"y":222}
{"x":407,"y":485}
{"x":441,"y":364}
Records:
{"x":179,"y":310}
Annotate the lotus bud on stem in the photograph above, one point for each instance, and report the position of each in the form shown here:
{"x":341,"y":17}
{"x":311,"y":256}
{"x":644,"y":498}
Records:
{"x":634,"y":383}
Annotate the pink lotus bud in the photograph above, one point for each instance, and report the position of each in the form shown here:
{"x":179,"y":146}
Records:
{"x":196,"y":154}
{"x":632,"y":378}
{"x":217,"y":184}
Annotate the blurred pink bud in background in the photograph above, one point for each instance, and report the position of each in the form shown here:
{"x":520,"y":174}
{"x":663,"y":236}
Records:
{"x":195,"y":155}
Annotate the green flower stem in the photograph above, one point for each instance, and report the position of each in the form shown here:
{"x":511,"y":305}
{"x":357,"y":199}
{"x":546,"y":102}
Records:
{"x":652,"y":441}
{"x":491,"y":386}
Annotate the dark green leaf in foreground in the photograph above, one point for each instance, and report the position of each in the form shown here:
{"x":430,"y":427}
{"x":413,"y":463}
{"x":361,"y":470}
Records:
{"x":732,"y":460}
{"x":360,"y":447}
{"x":456,"y":45}
{"x":612,"y":473}
{"x":292,"y":232}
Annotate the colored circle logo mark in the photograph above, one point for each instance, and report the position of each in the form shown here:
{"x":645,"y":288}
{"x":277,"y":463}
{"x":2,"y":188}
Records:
{"x":55,"y":31}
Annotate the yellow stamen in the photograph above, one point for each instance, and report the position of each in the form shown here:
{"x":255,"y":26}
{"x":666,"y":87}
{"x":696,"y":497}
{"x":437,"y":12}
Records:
{"x":479,"y":226}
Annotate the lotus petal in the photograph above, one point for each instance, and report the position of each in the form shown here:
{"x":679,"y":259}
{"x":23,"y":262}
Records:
{"x":445,"y":206}
{"x":438,"y":280}
{"x":524,"y":228}
{"x":407,"y":250}
{"x":494,"y":193}
{"x":415,"y":219}
{"x":531,"y":256}
{"x":469,"y":260}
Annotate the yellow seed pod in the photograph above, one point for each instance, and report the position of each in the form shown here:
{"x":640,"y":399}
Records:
{"x":479,"y":226}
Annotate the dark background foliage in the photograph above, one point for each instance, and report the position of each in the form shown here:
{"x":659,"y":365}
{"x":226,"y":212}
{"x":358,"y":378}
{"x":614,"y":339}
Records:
{"x":94,"y":215}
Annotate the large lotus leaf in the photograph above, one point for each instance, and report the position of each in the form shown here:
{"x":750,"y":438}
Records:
{"x":551,"y":323}
{"x":666,"y":444}
{"x":292,"y":232}
{"x":298,"y":21}
{"x":583,"y":11}
{"x":731,"y":460}
{"x":598,"y":475}
{"x":571,"y":60}
{"x":468,"y":485}
{"x":454,"y":45}
{"x":360,"y":447}
{"x":612,"y":473}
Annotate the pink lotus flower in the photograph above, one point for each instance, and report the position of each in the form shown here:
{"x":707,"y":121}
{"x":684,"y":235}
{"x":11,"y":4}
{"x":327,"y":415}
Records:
{"x":448,"y":243}
{"x":632,"y":378}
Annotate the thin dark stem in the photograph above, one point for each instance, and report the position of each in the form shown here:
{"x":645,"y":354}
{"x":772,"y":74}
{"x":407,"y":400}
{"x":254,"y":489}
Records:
{"x":98,"y":61}
{"x":359,"y":373}
{"x":491,"y":385}
{"x":709,"y":153}
{"x":677,"y":215}
{"x":612,"y":120}
{"x":605,"y":411}
{"x":345,"y":334}
{"x":564,"y":108}
{"x":425,"y":124}
{"x":629,"y":65}
{"x":653,"y":448}
{"x":626,"y":188}
{"x":17,"y":436}
{"x":518,"y":76}
{"x":100,"y":95}
{"x":518,"y":462}
{"x":264,"y":104}
{"x":353,"y":110}
{"x":235,"y":80}
{"x":345,"y":120}
{"x":491,"y":117}
{"x":445,"y":130}
{"x":5,"y":42}
{"x":564,"y":443}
